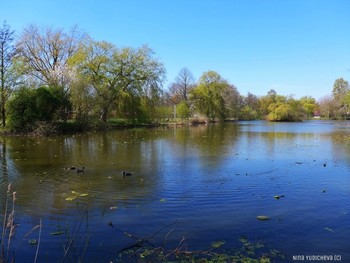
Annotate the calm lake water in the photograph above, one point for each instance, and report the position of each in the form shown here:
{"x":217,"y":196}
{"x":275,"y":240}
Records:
{"x":204,"y":183}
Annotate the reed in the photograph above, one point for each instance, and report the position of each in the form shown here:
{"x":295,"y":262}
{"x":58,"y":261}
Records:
{"x":8,"y":226}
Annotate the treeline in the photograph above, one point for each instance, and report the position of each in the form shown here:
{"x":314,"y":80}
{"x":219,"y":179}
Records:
{"x":49,"y":75}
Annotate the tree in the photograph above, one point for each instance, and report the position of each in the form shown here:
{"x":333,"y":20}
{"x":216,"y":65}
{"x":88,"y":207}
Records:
{"x":208,"y":96}
{"x":183,"y":110}
{"x":309,"y":104}
{"x":45,"y":54}
{"x":232,"y":101}
{"x":327,"y":107}
{"x":29,"y":106}
{"x":282,"y":108}
{"x":340,"y":89}
{"x":7,"y":78}
{"x":116,"y":74}
{"x":250,"y":108}
{"x":184,"y":82}
{"x":266,"y":101}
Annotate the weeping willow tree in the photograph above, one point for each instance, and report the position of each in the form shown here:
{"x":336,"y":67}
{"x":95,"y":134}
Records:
{"x":122,"y":79}
{"x":214,"y":97}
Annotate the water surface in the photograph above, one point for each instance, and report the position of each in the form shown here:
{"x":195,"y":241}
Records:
{"x":203,"y":183}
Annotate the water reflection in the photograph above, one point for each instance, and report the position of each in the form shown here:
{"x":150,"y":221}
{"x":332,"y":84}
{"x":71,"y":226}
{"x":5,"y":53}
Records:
{"x":212,"y":180}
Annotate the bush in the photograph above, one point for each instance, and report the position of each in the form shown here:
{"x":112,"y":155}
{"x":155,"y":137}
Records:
{"x":29,"y":106}
{"x":183,"y":110}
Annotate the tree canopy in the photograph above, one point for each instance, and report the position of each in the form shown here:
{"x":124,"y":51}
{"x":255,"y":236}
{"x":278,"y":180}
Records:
{"x":67,"y":75}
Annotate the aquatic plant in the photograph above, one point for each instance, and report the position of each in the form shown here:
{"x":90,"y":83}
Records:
{"x":143,"y":250}
{"x":8,"y":227}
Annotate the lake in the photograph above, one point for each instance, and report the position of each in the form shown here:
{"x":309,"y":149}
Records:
{"x":190,"y":186}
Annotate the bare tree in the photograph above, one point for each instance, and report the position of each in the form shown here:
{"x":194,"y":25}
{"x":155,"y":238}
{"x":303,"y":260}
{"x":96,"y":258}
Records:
{"x":7,"y":52}
{"x":328,"y":107}
{"x":179,"y":89}
{"x":46,"y":53}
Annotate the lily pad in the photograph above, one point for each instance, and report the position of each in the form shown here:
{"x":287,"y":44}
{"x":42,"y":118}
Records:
{"x":243,"y":239}
{"x":71,"y":198}
{"x":33,"y":242}
{"x":76,"y":194}
{"x":263,"y":218}
{"x":57,"y":233}
{"x":217,"y":244}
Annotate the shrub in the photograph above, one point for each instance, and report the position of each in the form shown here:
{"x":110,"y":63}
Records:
{"x":29,"y":106}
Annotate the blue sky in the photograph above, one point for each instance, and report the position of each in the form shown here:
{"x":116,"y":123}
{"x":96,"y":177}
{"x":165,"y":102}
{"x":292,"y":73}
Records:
{"x":293,"y":46}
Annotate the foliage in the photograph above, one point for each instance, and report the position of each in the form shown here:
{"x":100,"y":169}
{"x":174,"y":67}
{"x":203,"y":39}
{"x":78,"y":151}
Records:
{"x":121,"y":73}
{"x":250,"y":107}
{"x":8,"y":226}
{"x":26,"y":107}
{"x":340,"y":88}
{"x":281,"y":108}
{"x":88,"y":82}
{"x":339,"y":92}
{"x":208,"y":97}
{"x":253,"y":252}
{"x":183,"y":110}
{"x":285,"y":109}
{"x":248,"y":113}
{"x":309,"y":105}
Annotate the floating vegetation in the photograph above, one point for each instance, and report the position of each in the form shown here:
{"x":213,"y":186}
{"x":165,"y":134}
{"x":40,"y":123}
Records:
{"x":76,"y":195}
{"x":163,"y":200}
{"x":71,"y":198}
{"x":278,"y":196}
{"x":217,"y":244}
{"x":33,"y":242}
{"x":250,"y":252}
{"x":57,"y":233}
{"x":263,"y":218}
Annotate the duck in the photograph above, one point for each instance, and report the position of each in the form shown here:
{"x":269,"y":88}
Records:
{"x":126,"y":174}
{"x":80,"y":170}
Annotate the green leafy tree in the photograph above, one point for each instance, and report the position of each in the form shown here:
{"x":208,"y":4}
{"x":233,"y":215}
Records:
{"x":309,"y":105}
{"x":232,"y":102}
{"x":183,"y":110}
{"x":266,"y":101}
{"x":29,"y":106}
{"x":208,"y":95}
{"x":285,"y":109}
{"x":118,"y":74}
{"x":250,"y":108}
{"x":45,"y":58}
{"x":248,"y":113}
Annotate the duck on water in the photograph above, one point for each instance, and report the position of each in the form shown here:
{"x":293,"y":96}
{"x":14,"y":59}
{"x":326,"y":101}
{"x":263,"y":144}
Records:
{"x":126,"y":174}
{"x":74,"y":168}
